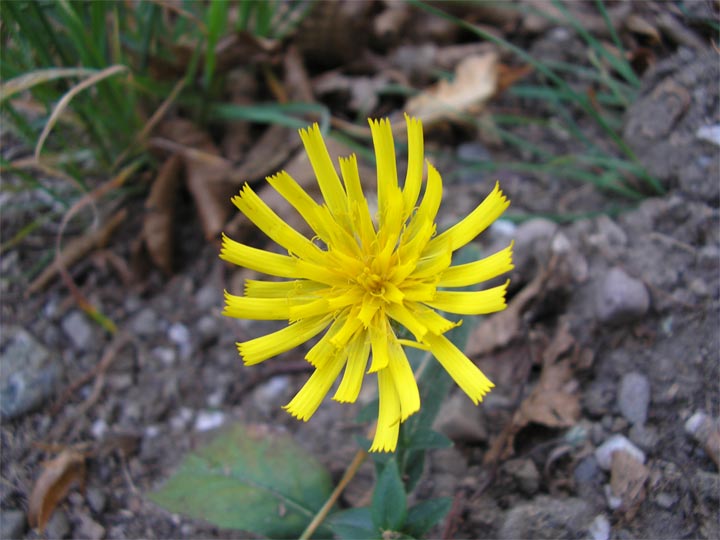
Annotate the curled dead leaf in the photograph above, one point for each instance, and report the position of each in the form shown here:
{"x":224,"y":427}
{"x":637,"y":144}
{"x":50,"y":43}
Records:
{"x":58,"y":477}
{"x":475,"y":82}
{"x":160,"y":210}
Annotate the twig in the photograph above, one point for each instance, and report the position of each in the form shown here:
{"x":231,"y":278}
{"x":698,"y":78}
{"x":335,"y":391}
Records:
{"x":344,"y":481}
{"x":98,"y":372}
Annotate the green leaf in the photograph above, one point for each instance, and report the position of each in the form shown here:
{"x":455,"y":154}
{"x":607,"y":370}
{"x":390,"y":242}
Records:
{"x":423,"y":516}
{"x":424,"y":438}
{"x":389,"y":504}
{"x":249,"y":478}
{"x":353,"y":523}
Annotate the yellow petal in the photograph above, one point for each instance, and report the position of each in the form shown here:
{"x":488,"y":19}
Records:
{"x":387,"y":181}
{"x":327,"y":176}
{"x":476,"y":222}
{"x":357,"y":203}
{"x":478,"y":271}
{"x":273,"y":225}
{"x":261,"y":309}
{"x":311,"y":308}
{"x":318,"y":217}
{"x":256,"y":350}
{"x":358,"y":351}
{"x":380,"y":336}
{"x":388,"y":424}
{"x":402,"y":315}
{"x":466,"y":374}
{"x":404,"y":380}
{"x":413,"y":179}
{"x":323,"y":350}
{"x":258,"y":259}
{"x":347,"y":330}
{"x":310,"y":396}
{"x":435,"y":323}
{"x":281,"y":289}
{"x":471,"y":303}
{"x":430,"y":203}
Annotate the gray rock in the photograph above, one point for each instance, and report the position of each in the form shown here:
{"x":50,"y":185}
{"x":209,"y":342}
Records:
{"x":525,"y":474}
{"x":12,"y":524}
{"x":96,"y":499}
{"x":58,"y":525}
{"x":179,"y":334}
{"x":28,"y":375}
{"x":708,"y":485}
{"x":89,"y":529}
{"x":598,"y":397}
{"x":145,"y":323}
{"x":666,"y":500}
{"x":209,"y":297}
{"x":634,"y":397}
{"x":269,"y":395}
{"x":471,"y":153}
{"x":460,"y":420}
{"x":78,"y":329}
{"x":546,"y":517}
{"x":449,"y":461}
{"x":533,"y":240}
{"x":621,"y":299}
{"x":208,"y":328}
{"x":604,"y":452}
{"x":645,"y":437}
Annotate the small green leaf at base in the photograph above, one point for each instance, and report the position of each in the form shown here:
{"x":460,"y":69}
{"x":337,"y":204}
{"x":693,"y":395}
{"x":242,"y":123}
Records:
{"x":423,"y":516}
{"x":249,"y":478}
{"x":389,"y":504}
{"x":352,"y":524}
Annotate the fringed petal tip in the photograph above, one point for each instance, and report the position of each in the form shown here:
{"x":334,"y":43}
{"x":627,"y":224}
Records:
{"x":295,"y":413}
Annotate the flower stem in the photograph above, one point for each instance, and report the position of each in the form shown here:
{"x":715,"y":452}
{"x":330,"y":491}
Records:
{"x":344,"y":481}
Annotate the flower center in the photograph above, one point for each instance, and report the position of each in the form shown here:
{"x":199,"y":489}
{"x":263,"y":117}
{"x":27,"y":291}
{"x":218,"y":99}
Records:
{"x":371,"y":282}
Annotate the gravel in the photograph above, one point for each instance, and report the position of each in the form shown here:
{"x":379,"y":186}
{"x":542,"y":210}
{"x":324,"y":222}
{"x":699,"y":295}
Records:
{"x":634,"y":397}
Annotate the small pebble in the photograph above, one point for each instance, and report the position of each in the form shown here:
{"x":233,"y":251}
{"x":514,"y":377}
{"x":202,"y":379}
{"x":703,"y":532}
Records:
{"x":599,"y":529}
{"x":604,"y":452}
{"x":621,"y":299}
{"x":207,"y":420}
{"x":96,"y":499}
{"x":78,"y":329}
{"x":145,"y":323}
{"x":89,"y":529}
{"x":666,"y":500}
{"x":179,"y":334}
{"x":634,"y":397}
{"x":645,"y":437}
{"x":98,"y":428}
{"x":58,"y":525}
{"x":12,"y":523}
{"x":525,"y":473}
{"x":165,"y":354}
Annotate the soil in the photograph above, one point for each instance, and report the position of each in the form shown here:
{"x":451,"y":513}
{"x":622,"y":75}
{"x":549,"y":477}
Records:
{"x":633,"y":294}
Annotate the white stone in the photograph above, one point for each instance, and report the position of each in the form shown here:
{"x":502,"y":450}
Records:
{"x":604,"y":452}
{"x":207,"y":420}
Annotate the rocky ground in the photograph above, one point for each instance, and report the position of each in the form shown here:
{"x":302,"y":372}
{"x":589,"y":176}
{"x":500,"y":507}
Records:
{"x":601,"y":424}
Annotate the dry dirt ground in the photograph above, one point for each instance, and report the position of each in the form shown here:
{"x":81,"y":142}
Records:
{"x":615,"y":343}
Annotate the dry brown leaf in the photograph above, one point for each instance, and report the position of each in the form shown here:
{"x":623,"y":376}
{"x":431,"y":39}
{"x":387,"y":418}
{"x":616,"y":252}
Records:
{"x":475,"y":82}
{"x":639,"y":25}
{"x":501,"y":328}
{"x":206,"y":178}
{"x":549,"y":403}
{"x":627,"y":481}
{"x":266,"y":156}
{"x":509,"y":75}
{"x":159,"y":214}
{"x":58,"y":477}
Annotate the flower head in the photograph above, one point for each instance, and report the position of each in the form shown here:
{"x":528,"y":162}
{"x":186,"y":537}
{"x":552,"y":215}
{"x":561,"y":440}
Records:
{"x":362,"y":275}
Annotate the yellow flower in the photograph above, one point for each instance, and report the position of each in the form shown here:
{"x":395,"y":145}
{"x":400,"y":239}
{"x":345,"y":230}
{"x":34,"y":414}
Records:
{"x":362,"y":272}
